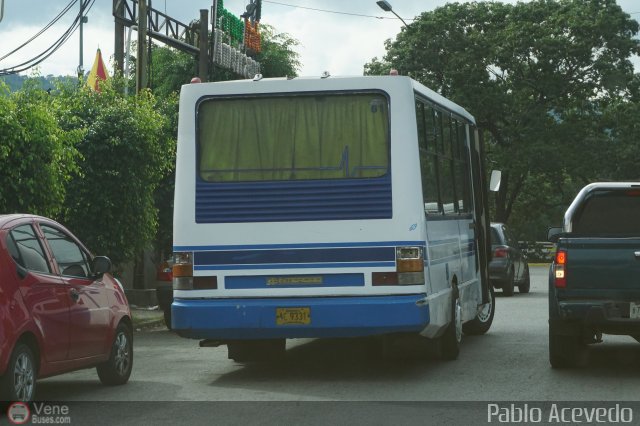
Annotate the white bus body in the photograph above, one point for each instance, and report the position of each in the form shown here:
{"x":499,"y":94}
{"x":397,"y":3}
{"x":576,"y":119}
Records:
{"x":327,"y":207}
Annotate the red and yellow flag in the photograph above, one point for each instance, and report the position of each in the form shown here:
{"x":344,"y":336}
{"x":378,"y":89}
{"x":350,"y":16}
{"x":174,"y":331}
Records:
{"x":98,"y":73}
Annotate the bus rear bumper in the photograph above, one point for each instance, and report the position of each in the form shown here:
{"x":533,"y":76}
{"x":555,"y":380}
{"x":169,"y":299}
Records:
{"x":236,"y":319}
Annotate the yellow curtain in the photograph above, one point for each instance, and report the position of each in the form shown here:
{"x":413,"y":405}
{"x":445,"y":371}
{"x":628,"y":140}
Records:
{"x":292,"y":138}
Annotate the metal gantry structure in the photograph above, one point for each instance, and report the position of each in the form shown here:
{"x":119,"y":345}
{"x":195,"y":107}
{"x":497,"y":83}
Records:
{"x":192,"y":39}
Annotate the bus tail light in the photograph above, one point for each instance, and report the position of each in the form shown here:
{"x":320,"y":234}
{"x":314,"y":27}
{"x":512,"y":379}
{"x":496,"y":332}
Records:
{"x":410,"y":265}
{"x":183,"y":271}
{"x":183,"y":278}
{"x":384,"y":278}
{"x":205,"y":283}
{"x":409,"y":269}
{"x":560,"y":269}
{"x":409,"y":259}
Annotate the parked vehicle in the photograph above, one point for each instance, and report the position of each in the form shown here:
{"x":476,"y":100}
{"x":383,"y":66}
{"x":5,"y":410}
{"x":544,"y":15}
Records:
{"x":508,"y":266}
{"x":594,"y":281}
{"x":60,"y":309}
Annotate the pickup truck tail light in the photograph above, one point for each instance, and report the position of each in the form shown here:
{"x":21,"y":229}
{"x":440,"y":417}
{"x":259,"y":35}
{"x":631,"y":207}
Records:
{"x":560,"y":269}
{"x":501,"y":252}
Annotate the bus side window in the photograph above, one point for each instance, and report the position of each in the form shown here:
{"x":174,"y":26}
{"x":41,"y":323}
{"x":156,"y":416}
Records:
{"x":425,"y":119}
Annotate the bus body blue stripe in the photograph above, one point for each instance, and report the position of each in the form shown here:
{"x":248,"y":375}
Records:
{"x":298,"y":245}
{"x":295,"y":266}
{"x":294,"y":256}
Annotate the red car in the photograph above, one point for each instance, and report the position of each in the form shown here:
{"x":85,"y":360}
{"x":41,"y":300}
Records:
{"x":60,"y":309}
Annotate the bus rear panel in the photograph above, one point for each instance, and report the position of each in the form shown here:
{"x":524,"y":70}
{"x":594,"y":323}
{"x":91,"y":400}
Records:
{"x":302,"y":210}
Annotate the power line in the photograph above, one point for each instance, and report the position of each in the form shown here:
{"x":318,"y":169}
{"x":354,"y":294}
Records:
{"x":332,"y":11}
{"x":36,"y":60}
{"x":49,"y":25}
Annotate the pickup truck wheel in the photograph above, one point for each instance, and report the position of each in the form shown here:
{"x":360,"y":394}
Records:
{"x":563,"y":350}
{"x":450,"y":340}
{"x":507,"y":288}
{"x":483,"y":320}
{"x":525,"y":284}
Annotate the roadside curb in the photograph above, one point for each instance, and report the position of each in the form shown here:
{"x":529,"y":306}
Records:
{"x":147,"y":325}
{"x":146,"y":318}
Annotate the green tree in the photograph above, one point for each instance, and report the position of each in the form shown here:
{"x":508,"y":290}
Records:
{"x":621,"y":124}
{"x":278,"y":57}
{"x":171,"y":69}
{"x":536,"y":76}
{"x":37,"y":156}
{"x":125,"y":154}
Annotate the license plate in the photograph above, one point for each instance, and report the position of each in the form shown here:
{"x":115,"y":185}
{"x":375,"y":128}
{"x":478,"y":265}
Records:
{"x":293,"y":316}
{"x":634,"y":310}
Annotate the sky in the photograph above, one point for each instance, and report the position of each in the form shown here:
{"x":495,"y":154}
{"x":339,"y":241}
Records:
{"x":340,"y":43}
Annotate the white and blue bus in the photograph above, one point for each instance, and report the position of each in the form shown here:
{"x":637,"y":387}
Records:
{"x":327,"y":207}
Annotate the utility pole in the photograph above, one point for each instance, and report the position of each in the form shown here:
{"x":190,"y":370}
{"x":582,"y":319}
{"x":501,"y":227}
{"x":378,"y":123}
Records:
{"x":83,"y":20}
{"x":203,"y":45}
{"x":118,"y":51}
{"x":141,"y":63}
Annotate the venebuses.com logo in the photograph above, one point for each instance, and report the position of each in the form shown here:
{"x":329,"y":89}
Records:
{"x":19,"y":413}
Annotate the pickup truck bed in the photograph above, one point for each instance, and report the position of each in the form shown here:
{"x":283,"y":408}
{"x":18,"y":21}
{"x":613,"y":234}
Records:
{"x":594,"y":282}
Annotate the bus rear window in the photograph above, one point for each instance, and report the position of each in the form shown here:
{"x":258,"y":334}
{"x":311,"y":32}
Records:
{"x":609,"y":212}
{"x":275,"y":138}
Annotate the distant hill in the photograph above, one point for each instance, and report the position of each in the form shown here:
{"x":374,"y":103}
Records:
{"x":15,"y":81}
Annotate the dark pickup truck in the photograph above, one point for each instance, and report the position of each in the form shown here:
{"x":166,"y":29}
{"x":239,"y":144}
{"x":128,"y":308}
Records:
{"x":594,"y":281}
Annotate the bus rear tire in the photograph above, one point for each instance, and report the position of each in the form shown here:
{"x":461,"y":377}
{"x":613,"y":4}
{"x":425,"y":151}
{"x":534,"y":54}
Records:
{"x":483,"y":320}
{"x":450,"y":340}
{"x":256,"y":350}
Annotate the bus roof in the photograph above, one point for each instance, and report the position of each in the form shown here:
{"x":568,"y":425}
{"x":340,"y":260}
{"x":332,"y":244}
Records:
{"x":300,"y":84}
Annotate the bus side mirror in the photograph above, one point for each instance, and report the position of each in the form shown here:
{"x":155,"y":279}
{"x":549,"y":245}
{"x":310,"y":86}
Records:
{"x":494,"y":183}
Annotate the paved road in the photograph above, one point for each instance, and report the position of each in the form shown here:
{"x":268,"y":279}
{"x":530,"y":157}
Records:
{"x":510,"y":363}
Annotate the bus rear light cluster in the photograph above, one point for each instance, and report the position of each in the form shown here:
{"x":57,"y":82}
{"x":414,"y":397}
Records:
{"x":409,"y":259}
{"x":205,"y":283}
{"x":384,"y":278}
{"x":183,"y":278}
{"x":183,"y":271}
{"x":409,"y":269}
